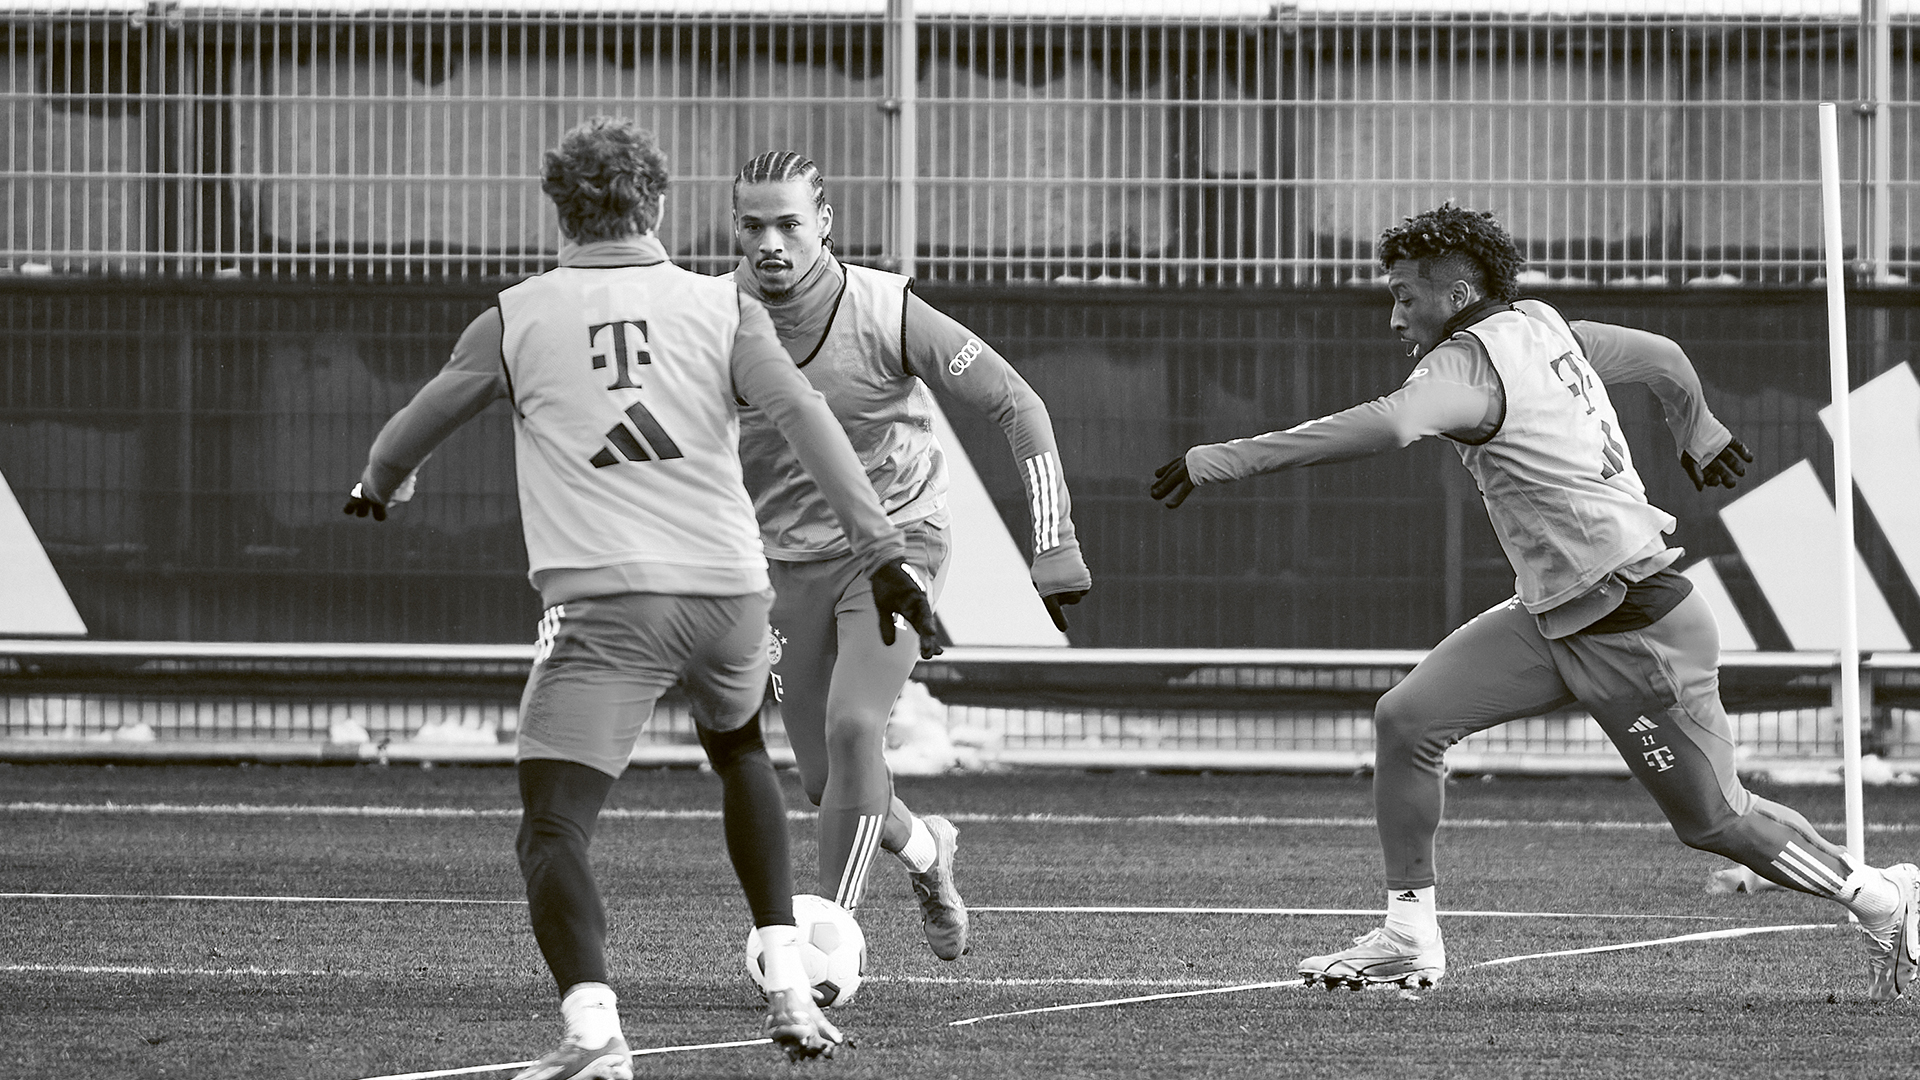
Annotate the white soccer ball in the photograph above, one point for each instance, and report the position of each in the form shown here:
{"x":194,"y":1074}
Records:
{"x":832,"y":950}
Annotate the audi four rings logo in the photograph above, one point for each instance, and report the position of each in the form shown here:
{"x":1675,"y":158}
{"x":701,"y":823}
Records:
{"x":963,"y":359}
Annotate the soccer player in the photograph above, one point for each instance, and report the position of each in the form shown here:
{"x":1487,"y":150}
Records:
{"x":623,"y":370}
{"x":870,"y":345}
{"x":1600,"y":618}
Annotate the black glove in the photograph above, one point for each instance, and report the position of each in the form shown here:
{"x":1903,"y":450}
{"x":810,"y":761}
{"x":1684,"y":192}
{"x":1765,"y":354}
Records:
{"x":1057,"y":601}
{"x":1172,"y":480}
{"x":897,"y":591}
{"x":1723,"y":471}
{"x":360,"y":506}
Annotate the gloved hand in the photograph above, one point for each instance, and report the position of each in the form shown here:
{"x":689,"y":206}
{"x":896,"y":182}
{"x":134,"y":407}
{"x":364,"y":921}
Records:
{"x":360,"y":504}
{"x":1171,"y":484}
{"x":897,"y":591}
{"x":1723,"y":471}
{"x":1060,"y":577}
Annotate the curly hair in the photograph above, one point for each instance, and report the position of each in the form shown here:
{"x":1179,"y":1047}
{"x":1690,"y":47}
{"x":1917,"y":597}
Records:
{"x":1468,"y":242}
{"x":606,"y":178}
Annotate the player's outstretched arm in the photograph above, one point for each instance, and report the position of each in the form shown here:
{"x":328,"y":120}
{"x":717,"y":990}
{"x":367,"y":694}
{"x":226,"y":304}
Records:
{"x":1430,"y":402}
{"x":941,"y":352}
{"x":1709,"y":453}
{"x":470,"y":381}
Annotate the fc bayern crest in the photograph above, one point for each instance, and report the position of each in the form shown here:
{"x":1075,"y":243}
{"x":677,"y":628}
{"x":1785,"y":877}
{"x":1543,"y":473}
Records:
{"x":776,"y":645}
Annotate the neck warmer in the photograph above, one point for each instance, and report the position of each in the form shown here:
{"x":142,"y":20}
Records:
{"x":804,"y":311}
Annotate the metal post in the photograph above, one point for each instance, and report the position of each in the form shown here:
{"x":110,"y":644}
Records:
{"x":903,"y":77}
{"x":1876,"y":115}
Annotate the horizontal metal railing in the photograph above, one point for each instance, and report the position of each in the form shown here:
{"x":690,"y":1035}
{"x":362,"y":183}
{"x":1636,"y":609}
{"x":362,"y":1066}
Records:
{"x":1279,"y":709}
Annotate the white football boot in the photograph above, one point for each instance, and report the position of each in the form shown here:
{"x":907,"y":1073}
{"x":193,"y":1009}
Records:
{"x":943,"y":915}
{"x":572,"y":1061}
{"x":1893,"y":946}
{"x":796,"y":1025}
{"x":1379,"y":958}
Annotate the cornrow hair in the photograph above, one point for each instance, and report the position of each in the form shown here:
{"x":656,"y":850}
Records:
{"x":1470,"y":238}
{"x":778,"y":167}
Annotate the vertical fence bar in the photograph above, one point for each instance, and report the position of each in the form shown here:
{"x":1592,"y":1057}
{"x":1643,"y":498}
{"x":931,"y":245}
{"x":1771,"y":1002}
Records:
{"x":1876,"y":210}
{"x":903,"y":67}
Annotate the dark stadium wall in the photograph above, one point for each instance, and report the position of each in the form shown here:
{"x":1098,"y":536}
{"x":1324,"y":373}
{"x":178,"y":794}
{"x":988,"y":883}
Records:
{"x":182,"y":449}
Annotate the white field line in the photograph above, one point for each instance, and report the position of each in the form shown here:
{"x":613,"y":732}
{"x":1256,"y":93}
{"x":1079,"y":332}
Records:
{"x":141,"y":969}
{"x":237,"y":899}
{"x":1126,"y":1001}
{"x":1707,"y":935}
{"x":1341,"y":911}
{"x":504,"y":1066}
{"x":617,"y":814}
{"x":240,"y":972}
{"x":242,"y":899}
{"x":958,"y":980}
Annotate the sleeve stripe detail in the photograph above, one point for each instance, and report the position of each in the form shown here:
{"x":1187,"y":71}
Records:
{"x":1043,"y":499}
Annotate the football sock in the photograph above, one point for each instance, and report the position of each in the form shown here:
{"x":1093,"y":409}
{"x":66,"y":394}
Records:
{"x":854,"y":837}
{"x":591,"y":1014}
{"x":780,"y":957}
{"x":1869,"y":895}
{"x":920,"y":851}
{"x":1411,"y":914}
{"x":562,"y":800}
{"x":755,"y":812}
{"x":1808,"y":869}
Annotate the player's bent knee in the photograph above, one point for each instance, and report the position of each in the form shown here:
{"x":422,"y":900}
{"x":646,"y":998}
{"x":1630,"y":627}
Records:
{"x":1399,"y":728}
{"x":727,"y":749}
{"x":852,"y":736}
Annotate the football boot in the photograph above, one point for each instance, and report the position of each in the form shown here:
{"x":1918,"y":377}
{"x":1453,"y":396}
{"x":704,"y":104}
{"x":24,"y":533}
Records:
{"x":796,"y":1025}
{"x":943,"y":915}
{"x":1893,"y":946}
{"x":572,"y":1061}
{"x":1378,"y":958}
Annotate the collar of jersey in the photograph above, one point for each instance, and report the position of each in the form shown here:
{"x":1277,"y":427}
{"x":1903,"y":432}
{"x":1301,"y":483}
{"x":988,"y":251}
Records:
{"x":809,"y":307}
{"x":1472,"y":313}
{"x":642,"y":250}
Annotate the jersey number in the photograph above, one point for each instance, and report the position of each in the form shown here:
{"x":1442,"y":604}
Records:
{"x":623,"y":346}
{"x":1578,"y":380}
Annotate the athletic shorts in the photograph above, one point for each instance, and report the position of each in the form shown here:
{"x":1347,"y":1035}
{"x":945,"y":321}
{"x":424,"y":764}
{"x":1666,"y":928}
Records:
{"x":602,"y":663}
{"x":810,"y":595}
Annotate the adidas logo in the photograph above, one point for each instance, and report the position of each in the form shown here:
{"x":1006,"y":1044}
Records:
{"x":1643,"y":724}
{"x":1409,"y":897}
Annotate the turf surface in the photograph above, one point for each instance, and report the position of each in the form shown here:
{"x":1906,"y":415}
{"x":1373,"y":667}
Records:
{"x":219,"y":988}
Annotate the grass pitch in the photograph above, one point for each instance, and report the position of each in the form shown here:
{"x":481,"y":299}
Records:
{"x":127,"y":985}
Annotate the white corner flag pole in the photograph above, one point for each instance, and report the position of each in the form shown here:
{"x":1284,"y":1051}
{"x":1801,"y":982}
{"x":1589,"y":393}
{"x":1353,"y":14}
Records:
{"x":1842,"y":479}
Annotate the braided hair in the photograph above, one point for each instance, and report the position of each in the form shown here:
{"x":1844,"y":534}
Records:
{"x":778,"y":167}
{"x":1469,"y":243}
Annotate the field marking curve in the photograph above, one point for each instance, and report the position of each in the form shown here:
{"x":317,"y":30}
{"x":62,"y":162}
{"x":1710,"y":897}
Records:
{"x":504,"y":1066}
{"x":1704,"y":935}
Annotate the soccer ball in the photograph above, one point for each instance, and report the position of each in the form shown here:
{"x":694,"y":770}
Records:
{"x":832,"y":950}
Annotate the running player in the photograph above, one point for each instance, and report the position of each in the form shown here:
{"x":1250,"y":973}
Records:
{"x":622,"y":371}
{"x":869,"y":344}
{"x":1600,"y":618}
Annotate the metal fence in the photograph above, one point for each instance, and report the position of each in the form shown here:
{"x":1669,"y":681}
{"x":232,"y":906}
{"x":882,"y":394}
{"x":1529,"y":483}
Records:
{"x":1293,"y":710}
{"x":181,"y":449}
{"x":1164,"y":141}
